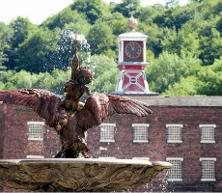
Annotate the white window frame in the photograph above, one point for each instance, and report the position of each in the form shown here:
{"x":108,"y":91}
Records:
{"x":208,"y":159}
{"x":34,"y":156}
{"x":180,"y":126}
{"x":212,"y":126}
{"x":106,"y":158}
{"x":37,"y":123}
{"x":175,"y":159}
{"x":113,"y":125}
{"x":136,"y":125}
{"x":141,"y":158}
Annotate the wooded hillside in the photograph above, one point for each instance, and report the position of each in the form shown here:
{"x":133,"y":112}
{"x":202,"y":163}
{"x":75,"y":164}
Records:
{"x":184,"y":46}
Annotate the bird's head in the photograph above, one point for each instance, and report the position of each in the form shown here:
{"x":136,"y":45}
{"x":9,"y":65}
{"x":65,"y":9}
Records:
{"x":84,"y":75}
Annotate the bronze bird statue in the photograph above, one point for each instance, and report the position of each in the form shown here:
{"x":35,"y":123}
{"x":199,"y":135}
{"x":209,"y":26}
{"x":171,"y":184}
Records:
{"x":72,"y":127}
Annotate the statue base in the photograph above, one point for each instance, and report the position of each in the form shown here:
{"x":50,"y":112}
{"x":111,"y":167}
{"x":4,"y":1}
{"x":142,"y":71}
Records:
{"x":78,"y":174}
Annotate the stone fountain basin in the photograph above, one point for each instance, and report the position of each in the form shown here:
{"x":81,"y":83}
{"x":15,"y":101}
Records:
{"x":78,"y":174}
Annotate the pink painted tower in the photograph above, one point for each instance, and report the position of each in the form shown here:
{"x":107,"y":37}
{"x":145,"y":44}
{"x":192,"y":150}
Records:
{"x":132,"y":61}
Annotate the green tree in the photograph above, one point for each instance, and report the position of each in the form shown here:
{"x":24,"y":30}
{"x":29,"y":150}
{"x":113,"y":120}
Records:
{"x":21,"y":28}
{"x":211,"y":76}
{"x":185,"y":87}
{"x":168,"y":69}
{"x":165,"y":19}
{"x":148,"y":13}
{"x":128,"y":7}
{"x":101,"y":38}
{"x":175,"y":17}
{"x":93,"y":9}
{"x":68,"y":19}
{"x":35,"y":52}
{"x":116,"y":21}
{"x":181,"y":42}
{"x":105,"y":74}
{"x":210,"y":46}
{"x":5,"y":36}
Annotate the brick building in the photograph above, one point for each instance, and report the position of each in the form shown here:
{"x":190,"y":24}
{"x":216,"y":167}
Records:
{"x":186,"y":131}
{"x":23,"y":134}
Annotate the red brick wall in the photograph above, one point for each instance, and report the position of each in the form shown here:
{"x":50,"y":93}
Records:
{"x":191,"y":149}
{"x":13,"y":125}
{"x":16,"y":143}
{"x":158,"y":149}
{"x":1,"y":129}
{"x":51,"y":144}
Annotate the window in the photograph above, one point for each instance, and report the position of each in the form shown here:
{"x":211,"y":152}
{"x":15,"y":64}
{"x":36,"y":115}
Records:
{"x":208,"y":169}
{"x":34,"y":156}
{"x":207,"y":133}
{"x":174,"y":133}
{"x":35,"y":130}
{"x":107,"y":132}
{"x":140,"y":132}
{"x":175,"y":173}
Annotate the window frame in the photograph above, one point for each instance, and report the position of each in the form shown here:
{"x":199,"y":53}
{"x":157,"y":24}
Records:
{"x":108,"y":158}
{"x":34,"y":156}
{"x":180,"y":126}
{"x":107,"y":140}
{"x":208,"y":159}
{"x":134,"y":126}
{"x":141,"y":158}
{"x":201,"y":126}
{"x":30,"y":138}
{"x":175,"y":159}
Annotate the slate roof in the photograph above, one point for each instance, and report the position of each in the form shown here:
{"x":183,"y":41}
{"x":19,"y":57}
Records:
{"x":180,"y":101}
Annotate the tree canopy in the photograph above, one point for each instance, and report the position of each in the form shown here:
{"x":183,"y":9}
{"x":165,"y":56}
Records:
{"x":184,"y":46}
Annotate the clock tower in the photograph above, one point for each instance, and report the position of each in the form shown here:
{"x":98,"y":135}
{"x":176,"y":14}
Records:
{"x":132,"y":61}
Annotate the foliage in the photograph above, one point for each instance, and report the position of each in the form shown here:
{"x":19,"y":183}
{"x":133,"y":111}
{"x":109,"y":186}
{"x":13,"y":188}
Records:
{"x":105,"y":74}
{"x":210,"y":46}
{"x":5,"y":36}
{"x":93,"y":9}
{"x":208,"y":81}
{"x":184,"y":46}
{"x":68,"y":19}
{"x":116,"y":21}
{"x":101,"y":38}
{"x":128,"y":7}
{"x":170,"y":68}
{"x":23,"y":79}
{"x":34,"y":52}
{"x":21,"y":29}
{"x":211,"y":76}
{"x":185,"y":87}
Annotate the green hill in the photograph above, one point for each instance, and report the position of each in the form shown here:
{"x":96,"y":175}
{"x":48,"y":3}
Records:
{"x":184,"y":46}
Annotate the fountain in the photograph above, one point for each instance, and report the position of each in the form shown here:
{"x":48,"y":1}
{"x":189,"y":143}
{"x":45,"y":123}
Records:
{"x":72,"y":169}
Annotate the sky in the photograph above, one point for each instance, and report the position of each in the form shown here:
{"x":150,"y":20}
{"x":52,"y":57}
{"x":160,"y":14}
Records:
{"x":38,"y":10}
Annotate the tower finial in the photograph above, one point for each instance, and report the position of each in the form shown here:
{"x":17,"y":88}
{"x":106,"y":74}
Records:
{"x":132,"y":23}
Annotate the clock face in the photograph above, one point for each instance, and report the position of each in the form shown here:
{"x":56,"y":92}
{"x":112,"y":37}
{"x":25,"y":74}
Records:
{"x":133,"y":51}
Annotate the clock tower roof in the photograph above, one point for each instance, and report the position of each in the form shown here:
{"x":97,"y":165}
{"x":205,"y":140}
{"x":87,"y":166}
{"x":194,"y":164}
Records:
{"x":132,"y":35}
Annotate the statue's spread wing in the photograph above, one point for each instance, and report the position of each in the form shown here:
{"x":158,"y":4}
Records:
{"x":43,"y":102}
{"x":100,"y":106}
